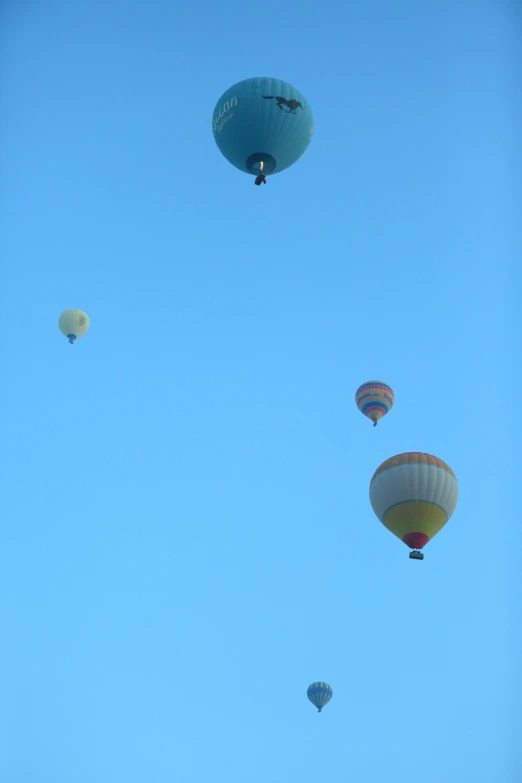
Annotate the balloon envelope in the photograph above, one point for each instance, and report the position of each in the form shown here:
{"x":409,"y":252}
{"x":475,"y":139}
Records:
{"x":262,"y":125}
{"x":319,"y":693}
{"x":374,"y":399}
{"x":73,"y":323}
{"x":414,"y":495}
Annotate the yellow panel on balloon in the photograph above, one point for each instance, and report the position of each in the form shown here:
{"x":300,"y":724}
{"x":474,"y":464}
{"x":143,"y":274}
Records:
{"x":415,"y":517}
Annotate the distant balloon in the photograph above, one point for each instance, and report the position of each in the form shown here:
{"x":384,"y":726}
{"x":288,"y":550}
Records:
{"x":319,"y":693}
{"x":374,"y":399}
{"x":73,"y":323}
{"x":414,"y":495}
{"x":262,"y":126}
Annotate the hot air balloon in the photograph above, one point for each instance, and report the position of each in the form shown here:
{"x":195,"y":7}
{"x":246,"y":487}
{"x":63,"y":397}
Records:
{"x":319,"y":694}
{"x":374,"y":399}
{"x":414,"y":495}
{"x":73,"y":323}
{"x":262,"y":126}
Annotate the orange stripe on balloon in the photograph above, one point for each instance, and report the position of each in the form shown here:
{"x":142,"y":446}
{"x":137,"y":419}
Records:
{"x":413,"y":457}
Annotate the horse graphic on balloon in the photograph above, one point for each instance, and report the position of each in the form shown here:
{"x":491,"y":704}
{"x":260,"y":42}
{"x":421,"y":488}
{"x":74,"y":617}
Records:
{"x":290,"y":102}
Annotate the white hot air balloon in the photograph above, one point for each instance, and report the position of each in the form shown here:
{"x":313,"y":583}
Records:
{"x":414,"y":495}
{"x":73,"y":323}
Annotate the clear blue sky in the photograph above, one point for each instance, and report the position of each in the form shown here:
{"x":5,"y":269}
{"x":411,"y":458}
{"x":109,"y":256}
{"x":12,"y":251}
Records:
{"x":187,"y":539}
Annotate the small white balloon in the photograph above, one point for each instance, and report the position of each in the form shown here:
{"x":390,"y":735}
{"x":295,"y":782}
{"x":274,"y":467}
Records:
{"x":73,"y":323}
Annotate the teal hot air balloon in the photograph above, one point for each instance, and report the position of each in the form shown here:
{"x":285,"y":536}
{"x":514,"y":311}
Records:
{"x":262,"y":126}
{"x":319,"y":694}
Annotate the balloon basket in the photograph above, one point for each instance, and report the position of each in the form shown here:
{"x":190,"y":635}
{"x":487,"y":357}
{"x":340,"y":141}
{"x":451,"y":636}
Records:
{"x":416,"y":555}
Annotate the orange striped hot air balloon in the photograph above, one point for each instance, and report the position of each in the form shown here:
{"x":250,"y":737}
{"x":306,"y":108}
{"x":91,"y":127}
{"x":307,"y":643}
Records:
{"x":414,"y":495}
{"x":374,"y":399}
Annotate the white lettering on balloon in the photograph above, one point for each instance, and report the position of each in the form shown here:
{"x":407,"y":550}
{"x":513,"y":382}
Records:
{"x":222,"y":116}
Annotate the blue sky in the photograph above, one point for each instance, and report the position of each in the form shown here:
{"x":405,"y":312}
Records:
{"x":187,"y":539}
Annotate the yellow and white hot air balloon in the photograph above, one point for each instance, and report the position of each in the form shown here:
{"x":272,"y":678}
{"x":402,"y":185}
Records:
{"x":414,"y":495}
{"x":73,"y":323}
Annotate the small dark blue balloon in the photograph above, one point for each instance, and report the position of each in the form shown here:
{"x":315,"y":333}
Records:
{"x":262,"y":125}
{"x":319,"y":694}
